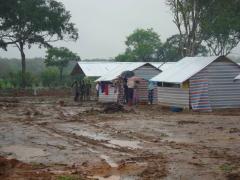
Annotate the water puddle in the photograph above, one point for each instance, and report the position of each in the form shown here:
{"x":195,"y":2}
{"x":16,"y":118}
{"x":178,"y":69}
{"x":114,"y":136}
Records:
{"x":69,"y":113}
{"x":92,"y":135}
{"x":125,"y":143}
{"x":109,"y":161}
{"x":23,"y":153}
{"x":110,"y":142}
{"x":179,"y":139}
{"x":114,"y":177}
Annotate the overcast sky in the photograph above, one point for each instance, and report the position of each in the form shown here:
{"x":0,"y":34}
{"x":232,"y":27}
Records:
{"x":104,"y":24}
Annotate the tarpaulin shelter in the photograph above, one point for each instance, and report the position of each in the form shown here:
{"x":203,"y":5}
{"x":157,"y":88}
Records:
{"x":200,"y":83}
{"x":144,"y":71}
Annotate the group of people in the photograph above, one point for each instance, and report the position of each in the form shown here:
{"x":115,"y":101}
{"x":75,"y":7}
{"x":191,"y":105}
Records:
{"x":82,"y":90}
{"x":129,"y":90}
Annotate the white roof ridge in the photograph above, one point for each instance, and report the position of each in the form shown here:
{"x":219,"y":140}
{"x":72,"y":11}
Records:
{"x":176,"y":74}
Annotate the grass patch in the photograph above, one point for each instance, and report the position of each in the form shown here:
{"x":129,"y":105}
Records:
{"x":164,"y":135}
{"x":226,"y":168}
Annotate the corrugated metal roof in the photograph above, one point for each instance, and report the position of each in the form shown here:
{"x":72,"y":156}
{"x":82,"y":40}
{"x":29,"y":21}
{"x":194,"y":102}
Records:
{"x":114,"y":73}
{"x":162,"y":66}
{"x":98,"y":69}
{"x":238,"y":77}
{"x":184,"y":69}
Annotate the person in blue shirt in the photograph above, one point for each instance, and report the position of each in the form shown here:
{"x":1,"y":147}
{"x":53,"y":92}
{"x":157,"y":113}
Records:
{"x":150,"y":92}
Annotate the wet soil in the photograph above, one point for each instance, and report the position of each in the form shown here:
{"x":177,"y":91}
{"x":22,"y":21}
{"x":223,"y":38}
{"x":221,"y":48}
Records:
{"x":55,"y":138}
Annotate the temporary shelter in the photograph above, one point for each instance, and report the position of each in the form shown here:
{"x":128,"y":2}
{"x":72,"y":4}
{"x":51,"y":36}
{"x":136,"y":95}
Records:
{"x":145,"y":71}
{"x":93,"y":69}
{"x":98,"y":69}
{"x":200,"y":83}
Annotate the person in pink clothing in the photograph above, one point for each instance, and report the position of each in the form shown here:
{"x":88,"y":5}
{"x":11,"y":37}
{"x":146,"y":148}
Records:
{"x":136,"y":93}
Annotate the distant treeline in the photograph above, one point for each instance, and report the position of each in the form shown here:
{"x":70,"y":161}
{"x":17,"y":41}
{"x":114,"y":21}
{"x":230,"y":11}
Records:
{"x":35,"y":66}
{"x":38,"y":74}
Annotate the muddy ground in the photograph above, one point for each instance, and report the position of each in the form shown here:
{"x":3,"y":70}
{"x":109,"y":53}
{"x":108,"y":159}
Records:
{"x":54,"y":138}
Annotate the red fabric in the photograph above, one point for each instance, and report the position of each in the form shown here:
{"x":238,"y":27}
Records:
{"x":106,"y":90}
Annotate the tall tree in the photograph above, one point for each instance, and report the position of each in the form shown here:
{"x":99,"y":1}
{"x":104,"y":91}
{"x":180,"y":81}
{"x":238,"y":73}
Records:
{"x":60,"y":58}
{"x":186,"y":16}
{"x":220,"y":26}
{"x":212,"y":23}
{"x":34,"y":22}
{"x":142,"y":45}
{"x":172,"y":49}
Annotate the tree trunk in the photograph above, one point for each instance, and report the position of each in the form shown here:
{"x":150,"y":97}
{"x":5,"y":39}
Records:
{"x":23,"y":60}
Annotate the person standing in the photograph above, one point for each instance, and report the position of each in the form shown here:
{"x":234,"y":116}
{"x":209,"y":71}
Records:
{"x":125,"y":87}
{"x":136,"y":93}
{"x":81,"y":89}
{"x":97,"y":89}
{"x":75,"y":85}
{"x":88,"y":90}
{"x":150,"y":92}
{"x":130,"y":85}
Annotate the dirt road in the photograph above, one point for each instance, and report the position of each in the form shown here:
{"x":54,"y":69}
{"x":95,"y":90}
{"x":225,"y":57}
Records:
{"x":79,"y":141}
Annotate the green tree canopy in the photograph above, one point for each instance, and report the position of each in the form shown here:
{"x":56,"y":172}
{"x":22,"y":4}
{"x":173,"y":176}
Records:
{"x":28,"y":22}
{"x":220,"y":25}
{"x":211,"y":23}
{"x":60,"y":58}
{"x":142,"y":45}
{"x":172,"y":49}
{"x":49,"y":77}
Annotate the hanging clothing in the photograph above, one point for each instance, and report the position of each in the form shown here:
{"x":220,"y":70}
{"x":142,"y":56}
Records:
{"x":106,"y":89}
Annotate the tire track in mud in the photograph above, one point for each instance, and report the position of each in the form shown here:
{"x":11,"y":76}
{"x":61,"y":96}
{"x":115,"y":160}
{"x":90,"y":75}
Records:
{"x":199,"y":151}
{"x":155,"y":162}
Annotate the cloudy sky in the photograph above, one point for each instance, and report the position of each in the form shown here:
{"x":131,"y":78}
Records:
{"x":104,"y":24}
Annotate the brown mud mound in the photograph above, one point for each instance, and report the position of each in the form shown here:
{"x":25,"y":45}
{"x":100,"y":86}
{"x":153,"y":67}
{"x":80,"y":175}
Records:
{"x":14,"y":169}
{"x":107,"y":108}
{"x":8,"y":166}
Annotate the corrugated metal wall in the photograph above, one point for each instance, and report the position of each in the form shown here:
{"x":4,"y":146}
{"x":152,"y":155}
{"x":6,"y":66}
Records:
{"x":143,"y":92}
{"x":111,"y":97}
{"x":146,"y":72}
{"x":223,"y":91}
{"x":178,"y":97}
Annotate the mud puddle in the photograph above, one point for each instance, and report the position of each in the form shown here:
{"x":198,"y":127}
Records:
{"x":89,"y":132}
{"x":123,"y":143}
{"x":109,"y":161}
{"x":23,"y":153}
{"x":114,"y":177}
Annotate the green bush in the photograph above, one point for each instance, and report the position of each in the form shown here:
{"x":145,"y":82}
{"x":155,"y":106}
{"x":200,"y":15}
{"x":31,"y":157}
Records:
{"x":15,"y":79}
{"x":50,"y":77}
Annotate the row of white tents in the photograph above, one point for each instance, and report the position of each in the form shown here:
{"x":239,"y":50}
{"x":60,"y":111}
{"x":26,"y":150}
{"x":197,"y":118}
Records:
{"x":198,"y":83}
